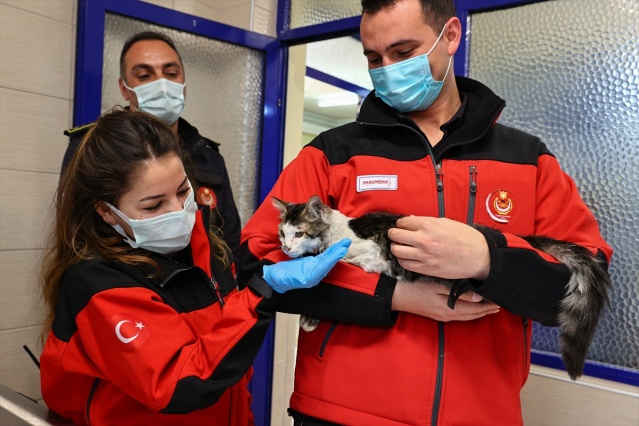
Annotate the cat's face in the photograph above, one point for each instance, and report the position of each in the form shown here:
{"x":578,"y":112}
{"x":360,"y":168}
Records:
{"x":302,"y":228}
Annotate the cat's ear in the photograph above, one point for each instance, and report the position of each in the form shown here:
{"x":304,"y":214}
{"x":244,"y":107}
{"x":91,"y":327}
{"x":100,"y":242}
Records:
{"x":282,"y":206}
{"x":315,"y":207}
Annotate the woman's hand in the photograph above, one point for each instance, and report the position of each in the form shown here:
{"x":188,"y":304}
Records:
{"x":304,"y":272}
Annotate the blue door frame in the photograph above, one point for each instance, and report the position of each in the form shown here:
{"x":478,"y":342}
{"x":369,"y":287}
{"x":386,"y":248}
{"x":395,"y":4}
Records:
{"x":88,"y":93}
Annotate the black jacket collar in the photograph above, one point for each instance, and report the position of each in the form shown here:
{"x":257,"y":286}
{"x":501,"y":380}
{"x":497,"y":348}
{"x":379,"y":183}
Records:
{"x":481,"y":109}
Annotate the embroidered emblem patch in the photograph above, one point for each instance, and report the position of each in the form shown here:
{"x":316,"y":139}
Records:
{"x":377,"y":183}
{"x":206,"y":196}
{"x":501,"y":206}
{"x":130,"y":330}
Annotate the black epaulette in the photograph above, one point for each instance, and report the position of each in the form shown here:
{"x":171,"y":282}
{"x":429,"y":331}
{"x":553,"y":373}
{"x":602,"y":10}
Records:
{"x":78,"y":130}
{"x":211,"y":143}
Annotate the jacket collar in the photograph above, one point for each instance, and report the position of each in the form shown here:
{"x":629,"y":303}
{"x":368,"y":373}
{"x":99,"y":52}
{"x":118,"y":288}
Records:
{"x":479,"y":112}
{"x":188,"y":133}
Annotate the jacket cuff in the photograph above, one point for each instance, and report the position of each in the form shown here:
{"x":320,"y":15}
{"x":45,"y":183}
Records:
{"x":495,"y":240}
{"x":260,"y":287}
{"x":384,"y":291}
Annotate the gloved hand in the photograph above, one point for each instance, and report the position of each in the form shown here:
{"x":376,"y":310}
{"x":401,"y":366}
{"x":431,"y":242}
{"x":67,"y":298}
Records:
{"x":304,"y":272}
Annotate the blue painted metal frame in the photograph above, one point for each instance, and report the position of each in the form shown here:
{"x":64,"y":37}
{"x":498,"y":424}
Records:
{"x":592,"y":368}
{"x":337,"y":82}
{"x":88,"y":93}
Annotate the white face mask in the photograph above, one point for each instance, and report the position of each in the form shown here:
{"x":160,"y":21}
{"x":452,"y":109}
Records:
{"x":163,"y":234}
{"x":162,"y":98}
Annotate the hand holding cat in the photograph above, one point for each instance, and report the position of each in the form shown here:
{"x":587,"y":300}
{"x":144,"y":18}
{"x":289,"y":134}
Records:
{"x":440,"y":247}
{"x":431,"y":300}
{"x":304,"y":272}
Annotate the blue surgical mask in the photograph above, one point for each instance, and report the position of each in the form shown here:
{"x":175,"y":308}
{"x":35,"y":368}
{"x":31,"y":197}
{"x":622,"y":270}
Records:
{"x":408,"y":85}
{"x":164,"y":234}
{"x":162,"y":98}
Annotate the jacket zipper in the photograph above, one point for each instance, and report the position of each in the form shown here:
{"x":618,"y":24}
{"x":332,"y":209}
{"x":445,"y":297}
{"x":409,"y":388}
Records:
{"x":440,"y":325}
{"x":440,"y":189}
{"x":328,"y":335}
{"x":524,"y":323}
{"x":218,"y":291}
{"x":87,"y":411}
{"x":440,"y":375}
{"x":473,"y":195}
{"x":214,"y":283}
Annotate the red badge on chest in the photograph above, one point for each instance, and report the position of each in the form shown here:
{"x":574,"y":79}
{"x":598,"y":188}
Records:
{"x":502,"y":206}
{"x":206,"y":196}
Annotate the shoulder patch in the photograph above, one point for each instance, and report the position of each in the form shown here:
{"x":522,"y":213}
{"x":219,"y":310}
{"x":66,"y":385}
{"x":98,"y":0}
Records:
{"x":78,"y":129}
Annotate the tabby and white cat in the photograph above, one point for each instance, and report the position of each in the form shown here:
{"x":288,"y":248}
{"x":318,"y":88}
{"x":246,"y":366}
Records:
{"x":309,"y":228}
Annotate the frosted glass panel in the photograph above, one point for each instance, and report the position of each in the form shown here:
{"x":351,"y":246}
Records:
{"x":311,"y":12}
{"x":342,"y":58}
{"x":569,"y":72}
{"x":224,"y":97}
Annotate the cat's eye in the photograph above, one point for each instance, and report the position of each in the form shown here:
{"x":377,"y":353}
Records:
{"x":299,"y":234}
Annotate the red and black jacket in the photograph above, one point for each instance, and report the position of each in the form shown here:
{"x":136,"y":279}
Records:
{"x":133,"y":345}
{"x":367,"y":365}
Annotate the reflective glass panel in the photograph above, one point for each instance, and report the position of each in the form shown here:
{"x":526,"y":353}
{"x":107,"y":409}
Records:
{"x":569,"y":72}
{"x":311,"y":12}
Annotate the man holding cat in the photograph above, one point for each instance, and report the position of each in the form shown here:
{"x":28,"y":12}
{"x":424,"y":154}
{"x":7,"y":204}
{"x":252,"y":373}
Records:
{"x":392,"y":353}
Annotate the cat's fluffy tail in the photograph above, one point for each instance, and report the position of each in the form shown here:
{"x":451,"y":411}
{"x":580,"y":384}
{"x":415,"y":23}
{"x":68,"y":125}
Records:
{"x":586,"y":297}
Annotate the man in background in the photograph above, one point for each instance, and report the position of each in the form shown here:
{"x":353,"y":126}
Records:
{"x":152,"y":79}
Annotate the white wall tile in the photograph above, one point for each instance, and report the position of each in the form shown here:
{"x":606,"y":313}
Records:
{"x":551,"y":398}
{"x":19,"y":289}
{"x":237,"y":14}
{"x":35,"y":53}
{"x":162,"y":3}
{"x":221,"y":4}
{"x":270,"y":5}
{"x":26,"y":203}
{"x":58,"y":10}
{"x":17,"y":370}
{"x":31,"y":131}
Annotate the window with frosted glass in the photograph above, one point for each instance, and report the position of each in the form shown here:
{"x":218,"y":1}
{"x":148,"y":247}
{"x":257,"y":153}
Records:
{"x":342,"y":58}
{"x":223,"y":97}
{"x":311,"y":12}
{"x":569,"y":72}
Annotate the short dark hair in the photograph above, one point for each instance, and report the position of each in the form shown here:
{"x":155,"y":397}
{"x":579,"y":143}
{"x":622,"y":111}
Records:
{"x":144,"y":36}
{"x":435,"y":12}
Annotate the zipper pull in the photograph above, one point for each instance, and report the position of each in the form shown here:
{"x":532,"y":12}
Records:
{"x":440,"y":177}
{"x":473,"y":179}
{"x":216,"y":286}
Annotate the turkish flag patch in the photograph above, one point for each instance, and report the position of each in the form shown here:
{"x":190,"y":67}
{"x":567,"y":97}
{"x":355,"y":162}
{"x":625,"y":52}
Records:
{"x":130,"y":331}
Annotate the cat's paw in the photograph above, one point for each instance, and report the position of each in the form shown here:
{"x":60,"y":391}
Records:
{"x":308,"y":324}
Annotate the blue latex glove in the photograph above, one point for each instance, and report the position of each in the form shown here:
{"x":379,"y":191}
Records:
{"x":304,"y":272}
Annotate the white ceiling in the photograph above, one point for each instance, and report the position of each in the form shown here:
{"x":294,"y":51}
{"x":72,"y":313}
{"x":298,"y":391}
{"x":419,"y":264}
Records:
{"x":315,"y":91}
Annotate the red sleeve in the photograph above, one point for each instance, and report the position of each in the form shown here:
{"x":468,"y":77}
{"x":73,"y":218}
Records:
{"x":529,"y":282}
{"x":171,"y":349}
